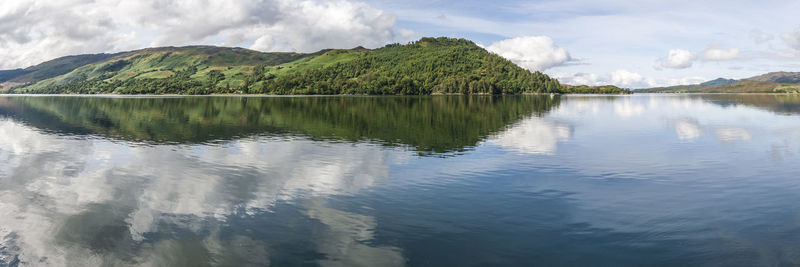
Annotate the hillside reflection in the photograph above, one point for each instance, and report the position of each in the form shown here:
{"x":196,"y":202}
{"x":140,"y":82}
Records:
{"x":228,"y":181}
{"x":778,"y":103}
{"x":426,"y":124}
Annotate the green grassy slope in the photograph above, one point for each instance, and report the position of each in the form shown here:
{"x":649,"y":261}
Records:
{"x":320,"y":59}
{"x":46,"y":70}
{"x":428,"y":66}
{"x":51,"y":68}
{"x":159,"y":64}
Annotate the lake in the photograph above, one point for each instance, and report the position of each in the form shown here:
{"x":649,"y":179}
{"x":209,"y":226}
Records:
{"x":641,"y":180}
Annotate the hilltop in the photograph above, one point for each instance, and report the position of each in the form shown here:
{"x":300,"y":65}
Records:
{"x":425,"y":67}
{"x":773,"y":82}
{"x":165,"y":69}
{"x":49,"y":69}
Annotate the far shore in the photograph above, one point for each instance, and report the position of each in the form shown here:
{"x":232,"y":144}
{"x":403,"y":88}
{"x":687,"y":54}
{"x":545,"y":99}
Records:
{"x":347,"y":95}
{"x":265,"y":95}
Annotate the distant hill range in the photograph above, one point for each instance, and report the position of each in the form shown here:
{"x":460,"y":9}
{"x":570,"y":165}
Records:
{"x":49,"y":69}
{"x":773,"y":82}
{"x":425,"y":67}
{"x":718,"y":81}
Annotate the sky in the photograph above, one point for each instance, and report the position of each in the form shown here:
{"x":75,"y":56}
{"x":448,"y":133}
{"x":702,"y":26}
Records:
{"x":632,"y":44}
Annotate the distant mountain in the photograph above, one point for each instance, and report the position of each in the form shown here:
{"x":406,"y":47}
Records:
{"x":718,"y":81}
{"x":778,"y":77}
{"x":6,"y":75}
{"x":773,"y":82}
{"x":427,"y":66}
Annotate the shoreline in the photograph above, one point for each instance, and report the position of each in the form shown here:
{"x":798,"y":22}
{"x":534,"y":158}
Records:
{"x":254,"y":95}
{"x":345,"y":95}
{"x":755,"y":93}
{"x":262,"y":95}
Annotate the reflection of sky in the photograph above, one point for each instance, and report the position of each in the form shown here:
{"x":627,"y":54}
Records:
{"x":678,"y":177}
{"x":643,"y":121}
{"x":48,"y":182}
{"x":534,"y":136}
{"x":687,"y":129}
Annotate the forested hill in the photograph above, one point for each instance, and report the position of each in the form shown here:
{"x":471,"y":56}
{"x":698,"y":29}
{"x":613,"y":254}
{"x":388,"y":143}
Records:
{"x":428,"y":66}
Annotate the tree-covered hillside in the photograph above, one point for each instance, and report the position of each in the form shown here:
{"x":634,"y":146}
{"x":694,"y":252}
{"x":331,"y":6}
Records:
{"x":602,"y":89}
{"x":427,"y":66}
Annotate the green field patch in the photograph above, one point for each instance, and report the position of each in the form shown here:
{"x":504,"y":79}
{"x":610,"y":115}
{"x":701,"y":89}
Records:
{"x":157,"y":74}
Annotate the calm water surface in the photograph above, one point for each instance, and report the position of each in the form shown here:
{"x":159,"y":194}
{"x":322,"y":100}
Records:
{"x":639,"y":180}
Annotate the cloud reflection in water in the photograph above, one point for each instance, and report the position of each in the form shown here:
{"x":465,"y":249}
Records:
{"x":534,"y":135}
{"x":65,"y":199}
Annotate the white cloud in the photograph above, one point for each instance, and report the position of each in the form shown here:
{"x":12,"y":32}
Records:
{"x":760,"y":37}
{"x":678,"y":59}
{"x":35,"y":31}
{"x":621,"y":78}
{"x":678,"y":81}
{"x":579,"y":78}
{"x":792,"y":39}
{"x":536,"y":53}
{"x":682,"y":59}
{"x":716,"y":53}
{"x":626,"y":78}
